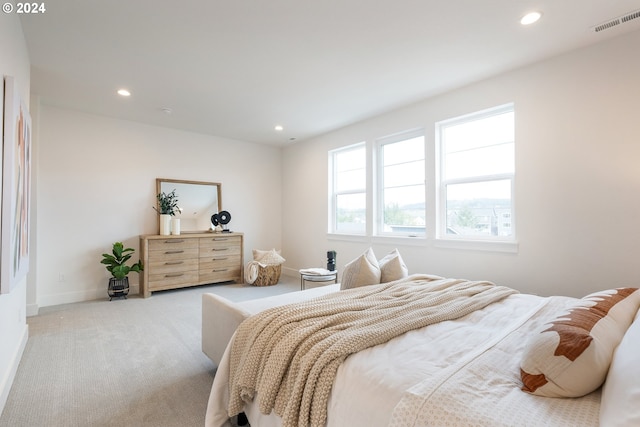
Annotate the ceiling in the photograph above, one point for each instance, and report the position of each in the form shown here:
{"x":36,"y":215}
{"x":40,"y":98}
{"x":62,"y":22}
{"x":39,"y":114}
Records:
{"x":237,"y":68}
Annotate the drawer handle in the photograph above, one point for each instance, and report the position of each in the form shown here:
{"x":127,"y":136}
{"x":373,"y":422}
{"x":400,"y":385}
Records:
{"x":217,"y":250}
{"x":220,"y":239}
{"x":174,"y":241}
{"x":174,"y":275}
{"x":218,"y":270}
{"x":221,"y":258}
{"x":173,"y":252}
{"x":174,"y":263}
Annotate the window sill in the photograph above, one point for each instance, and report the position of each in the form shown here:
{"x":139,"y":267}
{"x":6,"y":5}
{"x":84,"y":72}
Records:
{"x":400,"y":240}
{"x":348,"y":237}
{"x":477,"y":245}
{"x":471,"y":245}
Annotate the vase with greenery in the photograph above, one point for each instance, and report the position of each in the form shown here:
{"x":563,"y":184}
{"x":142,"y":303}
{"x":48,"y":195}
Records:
{"x":167,"y":207}
{"x":116,"y":264}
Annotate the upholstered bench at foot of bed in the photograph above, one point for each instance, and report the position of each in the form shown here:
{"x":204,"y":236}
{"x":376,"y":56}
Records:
{"x":221,"y":317}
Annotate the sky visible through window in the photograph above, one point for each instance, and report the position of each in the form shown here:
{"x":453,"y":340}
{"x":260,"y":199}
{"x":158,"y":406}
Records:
{"x":478,"y":163}
{"x":403,"y":187}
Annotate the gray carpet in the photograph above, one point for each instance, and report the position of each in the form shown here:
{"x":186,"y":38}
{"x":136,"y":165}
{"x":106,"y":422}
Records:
{"x":134,"y":362}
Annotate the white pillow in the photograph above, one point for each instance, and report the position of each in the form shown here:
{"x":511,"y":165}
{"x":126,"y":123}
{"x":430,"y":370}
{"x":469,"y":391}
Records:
{"x":620,"y":403}
{"x":392,"y":267}
{"x":271,"y":257}
{"x":571,"y":357}
{"x":259,"y":253}
{"x":362,"y":271}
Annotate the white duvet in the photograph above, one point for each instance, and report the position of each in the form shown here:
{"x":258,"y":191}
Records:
{"x":461,"y":373}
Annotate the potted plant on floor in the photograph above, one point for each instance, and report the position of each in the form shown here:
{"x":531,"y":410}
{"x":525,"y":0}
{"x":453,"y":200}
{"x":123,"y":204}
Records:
{"x":167,"y":207}
{"x":116,"y":265}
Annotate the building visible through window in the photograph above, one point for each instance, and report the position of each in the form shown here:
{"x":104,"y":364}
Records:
{"x":348,"y":182}
{"x":477,"y":172}
{"x":401,"y":185}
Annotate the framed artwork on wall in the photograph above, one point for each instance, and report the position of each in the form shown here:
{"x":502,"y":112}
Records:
{"x":16,"y":188}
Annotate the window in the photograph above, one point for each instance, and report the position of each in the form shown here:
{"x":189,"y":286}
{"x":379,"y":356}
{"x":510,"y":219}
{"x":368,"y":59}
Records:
{"x":401,"y":185}
{"x":348,"y":190}
{"x":476,"y":175}
{"x":457,"y":187}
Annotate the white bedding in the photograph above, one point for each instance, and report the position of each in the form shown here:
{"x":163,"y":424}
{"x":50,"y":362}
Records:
{"x":462,"y":372}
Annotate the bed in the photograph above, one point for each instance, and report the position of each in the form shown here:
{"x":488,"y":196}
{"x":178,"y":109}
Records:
{"x":462,"y":371}
{"x":221,"y":317}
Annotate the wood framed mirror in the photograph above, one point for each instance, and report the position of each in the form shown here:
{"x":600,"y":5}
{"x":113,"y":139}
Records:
{"x":197,"y":200}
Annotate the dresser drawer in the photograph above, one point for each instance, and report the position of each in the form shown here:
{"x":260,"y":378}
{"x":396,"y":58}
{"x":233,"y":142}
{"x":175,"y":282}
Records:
{"x":172,"y":254}
{"x":172,"y":265}
{"x":172,"y":250}
{"x":219,"y":263}
{"x":172,"y":280}
{"x":172,"y":244}
{"x":217,"y":270}
{"x":219,"y":245}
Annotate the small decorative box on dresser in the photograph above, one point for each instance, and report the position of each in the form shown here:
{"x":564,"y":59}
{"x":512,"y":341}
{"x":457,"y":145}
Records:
{"x":178,"y":261}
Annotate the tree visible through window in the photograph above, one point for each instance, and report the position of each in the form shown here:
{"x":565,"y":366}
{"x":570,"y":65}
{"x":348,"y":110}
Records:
{"x":401,"y":189}
{"x":477,"y":170}
{"x":348,"y":190}
{"x":471,"y":177}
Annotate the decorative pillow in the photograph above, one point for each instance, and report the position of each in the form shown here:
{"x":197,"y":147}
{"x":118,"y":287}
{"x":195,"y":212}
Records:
{"x":271,"y":257}
{"x":620,"y":403}
{"x":258,"y":253}
{"x":362,"y":271}
{"x":392,"y":267}
{"x":570,"y":358}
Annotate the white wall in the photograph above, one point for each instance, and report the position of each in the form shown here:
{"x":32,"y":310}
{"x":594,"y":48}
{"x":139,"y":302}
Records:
{"x":577,"y":176}
{"x":96,"y":185}
{"x":14,"y":61}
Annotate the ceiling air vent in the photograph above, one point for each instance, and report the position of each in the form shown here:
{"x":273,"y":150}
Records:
{"x":617,"y":21}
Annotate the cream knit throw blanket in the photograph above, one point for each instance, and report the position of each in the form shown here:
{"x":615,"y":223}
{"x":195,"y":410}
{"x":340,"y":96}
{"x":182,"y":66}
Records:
{"x":288,"y":356}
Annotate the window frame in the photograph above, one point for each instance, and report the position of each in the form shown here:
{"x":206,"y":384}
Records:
{"x":334,"y":194}
{"x":435,"y":197}
{"x":378,"y":189}
{"x":442,"y":183}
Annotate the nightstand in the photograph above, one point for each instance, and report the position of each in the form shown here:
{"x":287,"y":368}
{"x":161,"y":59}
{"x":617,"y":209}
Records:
{"x":316,"y":276}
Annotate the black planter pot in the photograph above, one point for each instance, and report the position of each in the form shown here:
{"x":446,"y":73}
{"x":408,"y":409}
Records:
{"x":118,"y":288}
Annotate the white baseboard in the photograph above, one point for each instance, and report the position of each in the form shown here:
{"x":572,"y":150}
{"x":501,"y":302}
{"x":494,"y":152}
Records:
{"x":79,"y":296}
{"x":32,"y":310}
{"x":7,"y":381}
{"x":290,"y":272}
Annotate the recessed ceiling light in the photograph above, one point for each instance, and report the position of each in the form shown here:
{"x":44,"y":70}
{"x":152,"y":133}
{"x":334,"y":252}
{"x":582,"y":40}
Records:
{"x":530,"y":18}
{"x":279,"y":128}
{"x":124,"y":92}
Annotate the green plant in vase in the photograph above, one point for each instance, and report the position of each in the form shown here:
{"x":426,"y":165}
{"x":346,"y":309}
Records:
{"x":167,"y":208}
{"x":167,"y":203}
{"x":116,"y":264}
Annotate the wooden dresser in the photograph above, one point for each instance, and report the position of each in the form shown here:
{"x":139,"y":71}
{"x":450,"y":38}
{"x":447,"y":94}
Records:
{"x":172,"y":262}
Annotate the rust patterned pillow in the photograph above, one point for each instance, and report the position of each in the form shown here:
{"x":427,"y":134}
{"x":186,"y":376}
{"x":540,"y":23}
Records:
{"x":572,"y":354}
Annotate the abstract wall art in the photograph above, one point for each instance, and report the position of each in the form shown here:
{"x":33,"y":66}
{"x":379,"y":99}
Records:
{"x":16,"y":188}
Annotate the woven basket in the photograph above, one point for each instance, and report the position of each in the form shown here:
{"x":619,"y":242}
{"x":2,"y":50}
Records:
{"x":268,"y":276}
